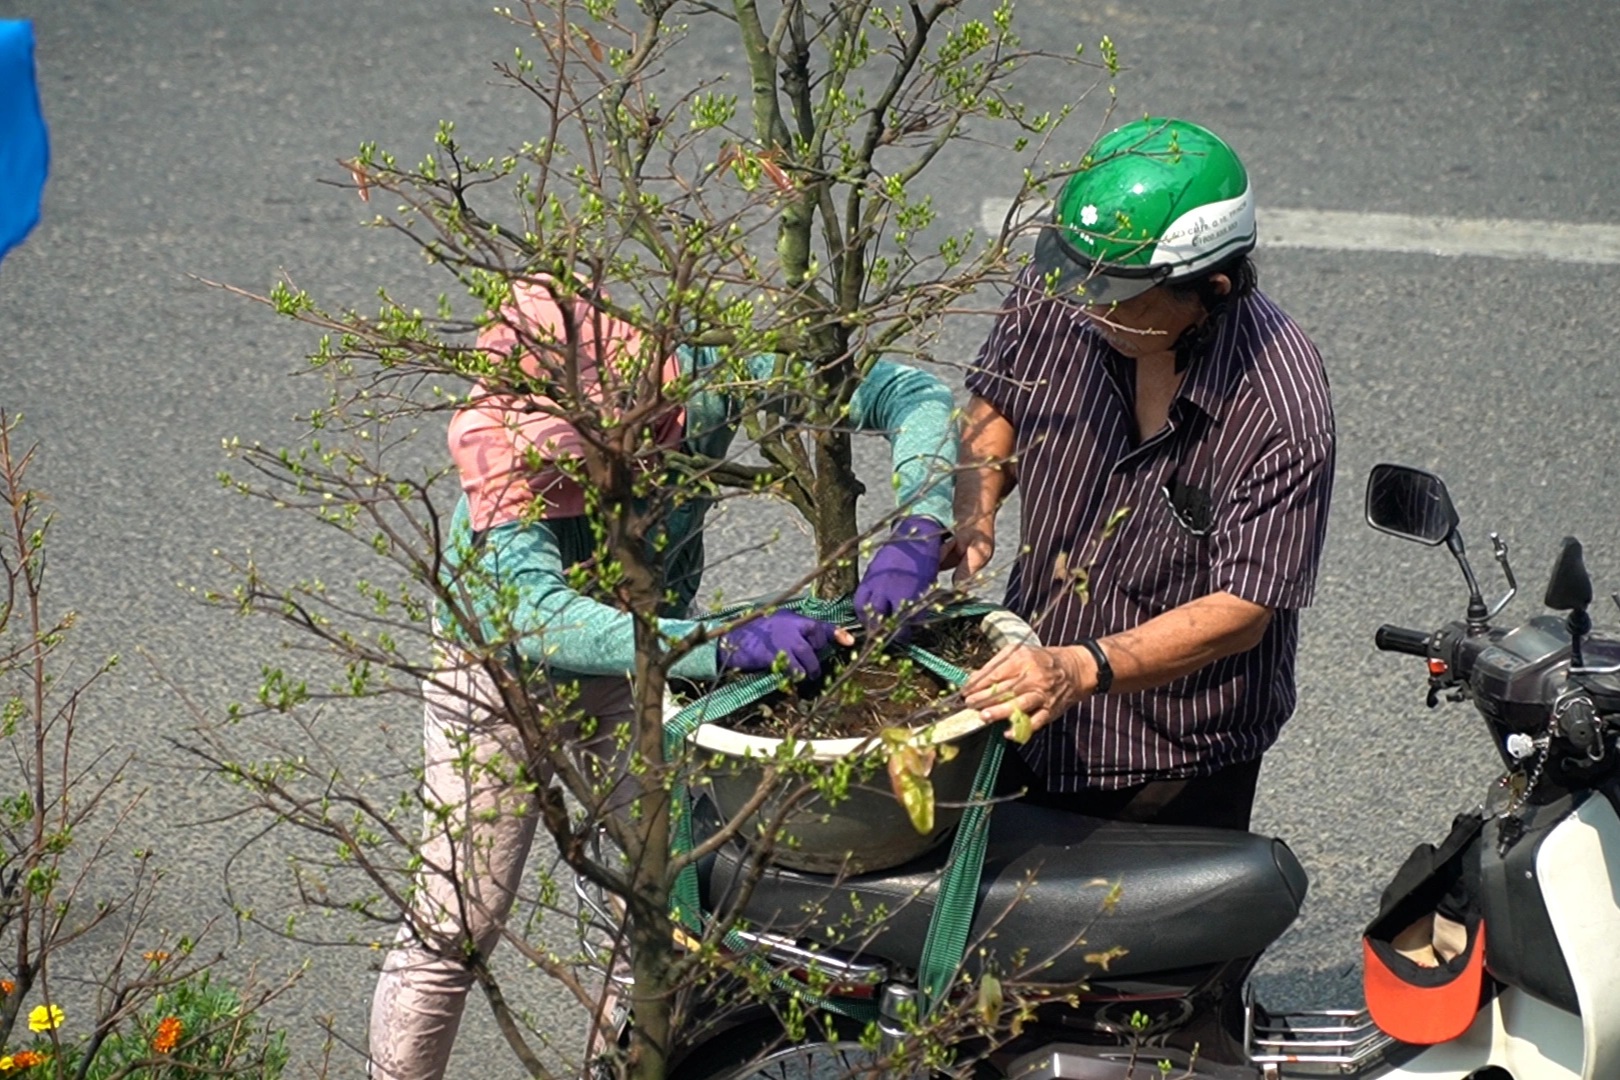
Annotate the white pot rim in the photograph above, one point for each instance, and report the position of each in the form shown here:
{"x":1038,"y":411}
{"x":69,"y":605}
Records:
{"x":1002,"y":627}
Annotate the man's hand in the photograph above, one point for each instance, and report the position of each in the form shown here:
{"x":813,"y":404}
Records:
{"x":1040,"y":683}
{"x":970,"y":550}
{"x":755,"y":645}
{"x":900,"y":574}
{"x":1044,"y":683}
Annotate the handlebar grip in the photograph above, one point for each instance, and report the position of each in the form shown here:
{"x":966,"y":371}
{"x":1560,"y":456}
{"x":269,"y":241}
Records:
{"x":1400,"y":639}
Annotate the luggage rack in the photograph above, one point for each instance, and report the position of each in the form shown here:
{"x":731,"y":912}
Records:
{"x":1326,"y":1042}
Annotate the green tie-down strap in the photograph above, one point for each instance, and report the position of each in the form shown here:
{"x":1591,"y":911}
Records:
{"x":958,"y":891}
{"x":958,"y":895}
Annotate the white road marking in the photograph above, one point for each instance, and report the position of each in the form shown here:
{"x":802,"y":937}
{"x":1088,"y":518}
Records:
{"x":1337,"y":230}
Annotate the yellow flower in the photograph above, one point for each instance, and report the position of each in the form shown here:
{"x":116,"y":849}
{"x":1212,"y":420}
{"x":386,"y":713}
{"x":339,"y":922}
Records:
{"x":168,"y":1034}
{"x":46,"y":1018}
{"x":7,"y":1063}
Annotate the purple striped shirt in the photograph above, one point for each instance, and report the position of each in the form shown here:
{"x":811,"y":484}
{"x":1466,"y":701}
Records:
{"x":1231,"y":496}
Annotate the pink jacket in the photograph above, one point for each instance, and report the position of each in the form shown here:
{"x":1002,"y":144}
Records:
{"x":492,"y":435}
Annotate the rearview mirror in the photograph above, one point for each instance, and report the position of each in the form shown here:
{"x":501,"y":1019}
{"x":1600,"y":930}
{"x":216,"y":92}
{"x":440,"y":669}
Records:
{"x":1570,"y":586}
{"x":1410,"y":503}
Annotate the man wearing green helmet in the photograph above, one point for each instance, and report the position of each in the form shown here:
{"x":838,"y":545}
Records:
{"x":1171,"y":434}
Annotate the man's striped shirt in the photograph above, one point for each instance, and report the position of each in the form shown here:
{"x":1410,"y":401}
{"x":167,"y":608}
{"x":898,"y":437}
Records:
{"x":1231,"y":496}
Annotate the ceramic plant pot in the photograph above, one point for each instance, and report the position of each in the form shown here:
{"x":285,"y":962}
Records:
{"x":868,"y":830}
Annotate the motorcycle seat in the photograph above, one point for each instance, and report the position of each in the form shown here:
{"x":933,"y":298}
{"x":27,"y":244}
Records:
{"x":1186,"y":897}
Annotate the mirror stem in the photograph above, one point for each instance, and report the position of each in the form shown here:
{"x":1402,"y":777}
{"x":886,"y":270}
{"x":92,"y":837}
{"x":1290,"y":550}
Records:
{"x":1477,"y":613}
{"x":1579,"y":624}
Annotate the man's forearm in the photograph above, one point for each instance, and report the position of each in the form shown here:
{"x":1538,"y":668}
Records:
{"x":1041,"y":683}
{"x":986,"y":479}
{"x":1177,"y":643}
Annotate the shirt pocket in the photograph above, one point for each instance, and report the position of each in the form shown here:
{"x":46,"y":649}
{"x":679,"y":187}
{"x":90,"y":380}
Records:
{"x":1172,"y":562}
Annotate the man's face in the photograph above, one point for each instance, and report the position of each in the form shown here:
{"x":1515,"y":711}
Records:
{"x":1139,"y":326}
{"x":1147,"y":324}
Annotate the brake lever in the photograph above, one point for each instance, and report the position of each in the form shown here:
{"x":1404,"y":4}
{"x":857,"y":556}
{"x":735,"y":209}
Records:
{"x":1499,"y":548}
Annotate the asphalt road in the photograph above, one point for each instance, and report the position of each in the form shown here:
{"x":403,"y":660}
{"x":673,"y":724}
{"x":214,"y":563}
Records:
{"x":189,"y":142}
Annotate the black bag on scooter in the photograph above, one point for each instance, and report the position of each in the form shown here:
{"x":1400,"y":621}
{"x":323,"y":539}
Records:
{"x":1423,"y":957}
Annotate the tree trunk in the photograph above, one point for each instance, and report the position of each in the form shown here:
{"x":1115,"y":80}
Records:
{"x":837,"y":491}
{"x":651,"y":937}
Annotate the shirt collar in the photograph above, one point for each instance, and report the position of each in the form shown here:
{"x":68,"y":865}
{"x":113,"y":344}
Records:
{"x":1208,"y":382}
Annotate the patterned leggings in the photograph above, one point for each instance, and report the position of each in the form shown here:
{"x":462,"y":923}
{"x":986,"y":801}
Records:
{"x":473,"y":854}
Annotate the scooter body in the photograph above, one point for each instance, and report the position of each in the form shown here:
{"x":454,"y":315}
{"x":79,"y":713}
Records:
{"x":1554,"y":1009}
{"x":1575,"y":873}
{"x":1195,"y":911}
{"x":1196,"y":908}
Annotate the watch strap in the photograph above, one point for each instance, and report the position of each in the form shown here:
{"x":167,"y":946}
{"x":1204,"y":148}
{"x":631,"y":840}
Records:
{"x":1105,"y":670}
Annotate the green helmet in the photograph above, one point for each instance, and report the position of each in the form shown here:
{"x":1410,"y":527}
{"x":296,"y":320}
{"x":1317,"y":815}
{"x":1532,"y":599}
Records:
{"x":1156,"y":200}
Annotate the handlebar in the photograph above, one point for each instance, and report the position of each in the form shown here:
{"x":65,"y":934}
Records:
{"x":1402,"y":640}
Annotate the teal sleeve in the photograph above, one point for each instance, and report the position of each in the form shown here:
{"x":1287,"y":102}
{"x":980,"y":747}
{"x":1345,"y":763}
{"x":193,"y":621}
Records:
{"x":917,"y":413}
{"x":916,"y":410}
{"x":520,"y":592}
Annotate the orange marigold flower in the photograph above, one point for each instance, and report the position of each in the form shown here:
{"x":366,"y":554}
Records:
{"x":27,"y":1059}
{"x":168,"y":1034}
{"x":6,"y":987}
{"x":154,"y":956}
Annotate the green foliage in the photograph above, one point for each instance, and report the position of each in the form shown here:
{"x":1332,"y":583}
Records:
{"x":289,"y":301}
{"x":771,"y":226}
{"x":66,"y":885}
{"x":194,"y":1026}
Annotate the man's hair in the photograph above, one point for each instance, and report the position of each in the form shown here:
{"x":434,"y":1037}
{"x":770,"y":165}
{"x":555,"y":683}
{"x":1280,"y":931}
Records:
{"x":1195,"y":339}
{"x":1239,"y":269}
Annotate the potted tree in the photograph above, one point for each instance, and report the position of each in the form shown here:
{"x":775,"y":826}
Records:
{"x":777,"y":210}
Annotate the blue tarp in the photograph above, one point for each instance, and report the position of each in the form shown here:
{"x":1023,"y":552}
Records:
{"x":24,"y":148}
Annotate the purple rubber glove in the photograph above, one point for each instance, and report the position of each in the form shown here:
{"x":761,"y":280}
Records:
{"x":755,"y":645}
{"x":900,"y":573}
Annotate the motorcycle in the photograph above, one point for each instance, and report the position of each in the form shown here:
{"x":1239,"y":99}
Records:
{"x":1495,"y":956}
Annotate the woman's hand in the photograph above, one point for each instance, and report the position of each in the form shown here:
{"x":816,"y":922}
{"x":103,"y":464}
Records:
{"x":1039,"y":683}
{"x":757,"y":644}
{"x":900,"y":574}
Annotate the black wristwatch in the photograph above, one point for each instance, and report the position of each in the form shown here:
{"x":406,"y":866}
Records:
{"x":1105,"y":670}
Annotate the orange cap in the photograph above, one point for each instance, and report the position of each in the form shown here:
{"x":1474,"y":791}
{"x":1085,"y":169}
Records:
{"x":1419,"y":1005}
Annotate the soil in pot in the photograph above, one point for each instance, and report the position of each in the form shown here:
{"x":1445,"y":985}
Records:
{"x":860,"y":696}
